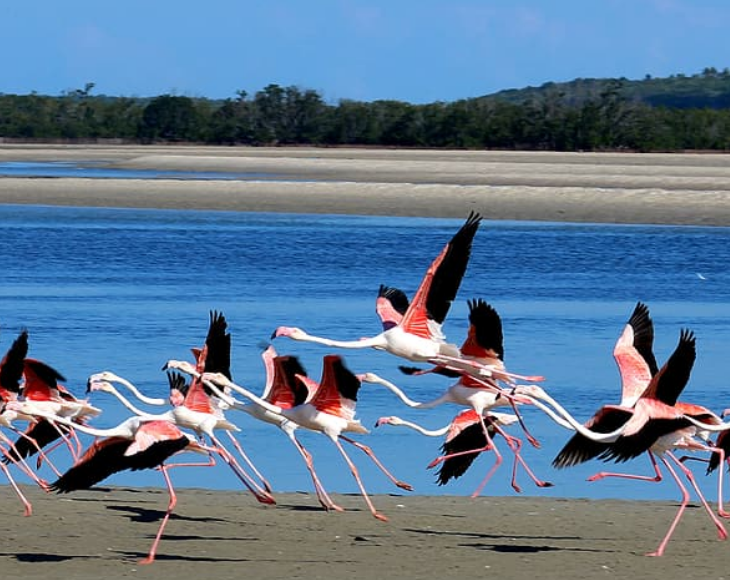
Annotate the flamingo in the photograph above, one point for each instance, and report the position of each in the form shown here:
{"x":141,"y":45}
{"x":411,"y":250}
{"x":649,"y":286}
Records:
{"x":331,"y":411}
{"x":286,"y":386}
{"x":416,"y":335}
{"x":652,"y":425}
{"x":637,"y":367}
{"x":133,"y":445}
{"x":464,"y":434}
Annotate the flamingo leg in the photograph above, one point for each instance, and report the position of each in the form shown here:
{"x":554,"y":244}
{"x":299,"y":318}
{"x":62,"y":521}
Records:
{"x":720,"y":508}
{"x":324,"y":499}
{"x":258,"y":492}
{"x":28,"y":508}
{"x":355,"y":474}
{"x":721,"y":532}
{"x":685,"y":500}
{"x":242,"y":453}
{"x":516,"y":446}
{"x":170,"y":506}
{"x":15,"y":455}
{"x":369,"y":452}
{"x":657,"y":477}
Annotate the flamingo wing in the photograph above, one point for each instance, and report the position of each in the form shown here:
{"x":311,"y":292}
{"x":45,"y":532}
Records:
{"x":580,"y":449}
{"x":465,"y":434}
{"x":484,"y":338}
{"x":41,"y":380}
{"x":634,"y":354}
{"x":670,"y":381}
{"x":337,"y":392}
{"x":103,"y":458}
{"x":390,"y":306}
{"x":451,"y":268}
{"x":287,"y":390}
{"x":11,"y":366}
{"x":439,"y":286}
{"x":630,"y":446}
{"x":217,"y":350}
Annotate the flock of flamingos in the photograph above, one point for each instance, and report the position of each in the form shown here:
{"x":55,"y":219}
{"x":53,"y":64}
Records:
{"x":649,"y":419}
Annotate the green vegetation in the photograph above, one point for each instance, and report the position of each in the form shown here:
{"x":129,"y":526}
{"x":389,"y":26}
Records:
{"x":669,"y":114}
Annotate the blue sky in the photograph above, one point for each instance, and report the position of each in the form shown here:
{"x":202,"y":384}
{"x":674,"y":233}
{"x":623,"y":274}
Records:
{"x":418,"y":51}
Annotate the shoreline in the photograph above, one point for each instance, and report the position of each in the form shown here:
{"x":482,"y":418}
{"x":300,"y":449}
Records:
{"x":617,"y":188}
{"x":103,"y":532}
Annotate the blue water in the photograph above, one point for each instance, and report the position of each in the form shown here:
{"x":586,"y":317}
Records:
{"x":125,"y":290}
{"x":95,"y":170}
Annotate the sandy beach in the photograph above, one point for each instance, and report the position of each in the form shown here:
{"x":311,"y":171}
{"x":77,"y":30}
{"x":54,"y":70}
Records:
{"x":102,"y":533}
{"x":692,"y":189}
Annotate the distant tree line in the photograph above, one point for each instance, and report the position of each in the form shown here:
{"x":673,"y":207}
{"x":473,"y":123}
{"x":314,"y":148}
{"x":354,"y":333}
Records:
{"x":548,"y":120}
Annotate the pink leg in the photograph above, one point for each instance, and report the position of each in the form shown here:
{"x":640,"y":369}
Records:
{"x":657,"y":477}
{"x":28,"y":508}
{"x":41,"y":454}
{"x":258,"y":492}
{"x":721,"y":532}
{"x":324,"y":499}
{"x":250,"y":464}
{"x":516,"y":445}
{"x":685,"y":500}
{"x":369,"y":452}
{"x":170,"y":506}
{"x":355,"y":474}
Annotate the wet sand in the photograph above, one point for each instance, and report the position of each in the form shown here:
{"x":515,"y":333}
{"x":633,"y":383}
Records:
{"x":691,"y":189}
{"x":103,"y":533}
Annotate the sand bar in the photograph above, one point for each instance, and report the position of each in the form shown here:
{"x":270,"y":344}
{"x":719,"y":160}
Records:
{"x":102,"y":533}
{"x":690,"y":189}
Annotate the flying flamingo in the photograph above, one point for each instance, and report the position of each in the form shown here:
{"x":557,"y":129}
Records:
{"x":416,"y":335}
{"x":331,"y":411}
{"x":464,"y":434}
{"x":652,"y":425}
{"x":133,"y":445}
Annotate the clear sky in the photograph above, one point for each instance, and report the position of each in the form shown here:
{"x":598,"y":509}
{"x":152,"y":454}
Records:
{"x":418,"y":51}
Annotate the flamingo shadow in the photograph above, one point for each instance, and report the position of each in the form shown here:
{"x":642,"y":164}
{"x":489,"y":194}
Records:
{"x":44,"y":558}
{"x":508,"y":545}
{"x":138,"y":514}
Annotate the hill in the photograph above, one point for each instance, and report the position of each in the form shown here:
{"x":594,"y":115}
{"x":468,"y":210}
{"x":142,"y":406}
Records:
{"x":708,"y":89}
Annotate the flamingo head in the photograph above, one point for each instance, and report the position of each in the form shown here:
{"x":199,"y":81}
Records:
{"x":290,"y":332}
{"x":369,"y":378}
{"x":103,"y":386}
{"x":388,"y":421}
{"x":103,"y":376}
{"x":726,"y":412}
{"x":183,"y":366}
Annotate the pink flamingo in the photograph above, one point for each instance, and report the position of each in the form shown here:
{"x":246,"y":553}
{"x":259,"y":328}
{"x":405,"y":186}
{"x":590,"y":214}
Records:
{"x":652,"y":425}
{"x":133,"y":445}
{"x":331,"y":411}
{"x":416,"y":334}
{"x":463,"y":435}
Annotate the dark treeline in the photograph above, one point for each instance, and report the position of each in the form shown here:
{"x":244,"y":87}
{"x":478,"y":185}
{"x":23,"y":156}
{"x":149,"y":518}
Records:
{"x":275,"y":115}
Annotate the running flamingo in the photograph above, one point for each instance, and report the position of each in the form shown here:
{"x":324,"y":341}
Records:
{"x":464,"y":434}
{"x":330,"y":411}
{"x":134,"y":445}
{"x":652,"y":425}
